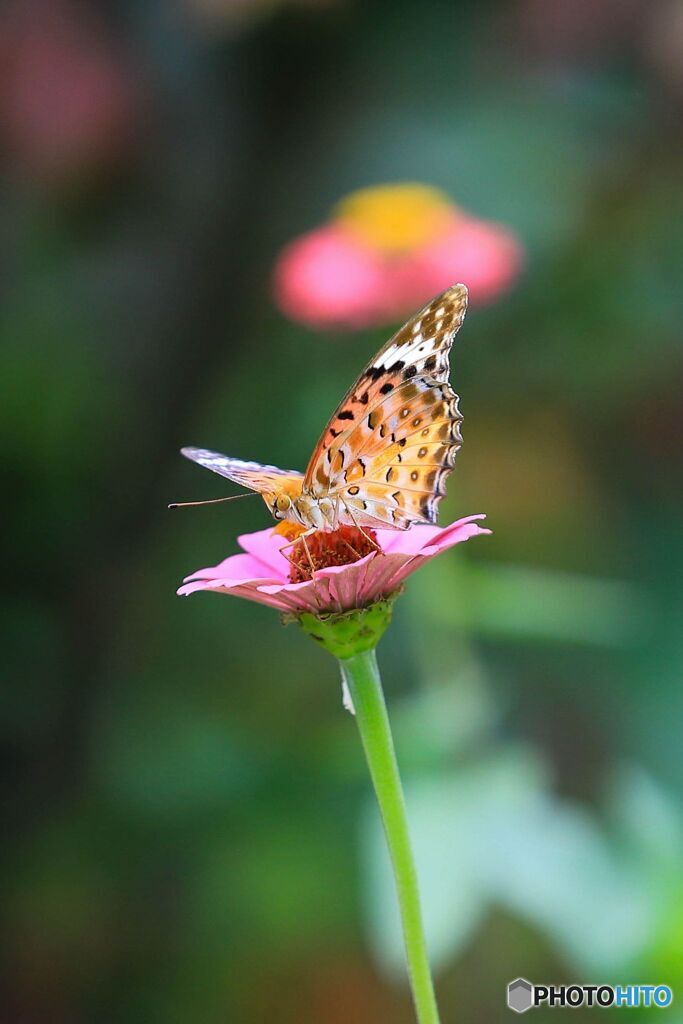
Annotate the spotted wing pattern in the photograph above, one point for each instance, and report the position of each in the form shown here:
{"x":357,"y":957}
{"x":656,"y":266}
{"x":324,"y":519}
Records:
{"x":385,"y":454}
{"x":264,"y":479}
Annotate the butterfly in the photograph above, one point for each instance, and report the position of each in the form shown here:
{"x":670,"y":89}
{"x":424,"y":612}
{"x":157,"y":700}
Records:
{"x":383,"y":458}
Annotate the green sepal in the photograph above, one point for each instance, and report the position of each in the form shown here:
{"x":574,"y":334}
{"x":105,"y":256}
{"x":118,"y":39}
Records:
{"x":345,"y":634}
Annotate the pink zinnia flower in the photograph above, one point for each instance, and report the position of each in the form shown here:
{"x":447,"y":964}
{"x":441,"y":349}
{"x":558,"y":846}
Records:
{"x":348,"y":572}
{"x":387,"y":249}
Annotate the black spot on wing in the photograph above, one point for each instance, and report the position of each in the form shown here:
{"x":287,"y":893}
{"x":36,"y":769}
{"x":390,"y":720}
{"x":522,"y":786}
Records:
{"x":374,"y":372}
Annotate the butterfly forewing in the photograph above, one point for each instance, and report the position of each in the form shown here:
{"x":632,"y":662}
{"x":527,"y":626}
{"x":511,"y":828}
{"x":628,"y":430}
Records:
{"x":387,"y":450}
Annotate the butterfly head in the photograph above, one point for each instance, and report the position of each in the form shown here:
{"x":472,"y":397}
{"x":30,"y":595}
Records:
{"x":281,"y":505}
{"x":282,"y":502}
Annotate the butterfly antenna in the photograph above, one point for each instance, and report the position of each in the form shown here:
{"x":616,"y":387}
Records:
{"x":212,"y":501}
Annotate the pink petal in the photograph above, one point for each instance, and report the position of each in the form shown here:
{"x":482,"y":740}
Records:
{"x":486,"y":256}
{"x":250,"y":591}
{"x":456,"y":533}
{"x":346,"y":581}
{"x":265,"y":545}
{"x":236,"y":567}
{"x":309,"y":595}
{"x":417,"y":538}
{"x":326,"y":277}
{"x":451,"y":535}
{"x":408,"y":542}
{"x":399,"y":567}
{"x":379,"y":577}
{"x":489,"y":257}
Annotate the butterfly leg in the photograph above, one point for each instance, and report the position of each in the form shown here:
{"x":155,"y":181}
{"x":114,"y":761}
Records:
{"x":306,"y":549}
{"x":335,"y":526}
{"x":374,"y":543}
{"x":302,"y":537}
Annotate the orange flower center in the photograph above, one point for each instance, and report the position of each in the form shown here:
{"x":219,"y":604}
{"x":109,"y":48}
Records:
{"x":396,"y":218}
{"x":322,"y":549}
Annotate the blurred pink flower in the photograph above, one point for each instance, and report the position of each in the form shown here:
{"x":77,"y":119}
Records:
{"x":485,"y":256}
{"x":67,"y":101}
{"x":328,"y":277}
{"x":385,"y":251}
{"x":263,"y":574}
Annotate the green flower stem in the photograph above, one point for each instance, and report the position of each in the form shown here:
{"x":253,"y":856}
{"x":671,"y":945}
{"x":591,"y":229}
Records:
{"x":362,"y":678}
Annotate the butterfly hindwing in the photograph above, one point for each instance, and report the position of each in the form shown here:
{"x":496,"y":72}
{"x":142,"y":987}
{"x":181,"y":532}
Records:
{"x":263,"y":479}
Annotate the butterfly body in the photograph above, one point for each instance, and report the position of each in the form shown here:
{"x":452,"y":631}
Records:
{"x":383,"y":458}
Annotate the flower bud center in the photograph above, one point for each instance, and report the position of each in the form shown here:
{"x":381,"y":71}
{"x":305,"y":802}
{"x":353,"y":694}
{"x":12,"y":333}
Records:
{"x":323,"y":549}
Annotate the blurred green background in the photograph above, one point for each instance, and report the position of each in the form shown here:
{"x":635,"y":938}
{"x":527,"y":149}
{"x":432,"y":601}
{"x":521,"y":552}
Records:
{"x":189,"y":834}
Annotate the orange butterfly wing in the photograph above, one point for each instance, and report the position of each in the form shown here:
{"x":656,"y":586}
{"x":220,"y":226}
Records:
{"x":386,"y":452}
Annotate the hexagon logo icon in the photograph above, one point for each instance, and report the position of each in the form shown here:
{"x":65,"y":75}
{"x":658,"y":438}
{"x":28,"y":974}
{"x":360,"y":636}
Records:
{"x":520,"y":995}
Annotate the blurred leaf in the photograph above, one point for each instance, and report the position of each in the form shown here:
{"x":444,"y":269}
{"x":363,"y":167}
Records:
{"x":495,"y":835}
{"x":524,"y":603}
